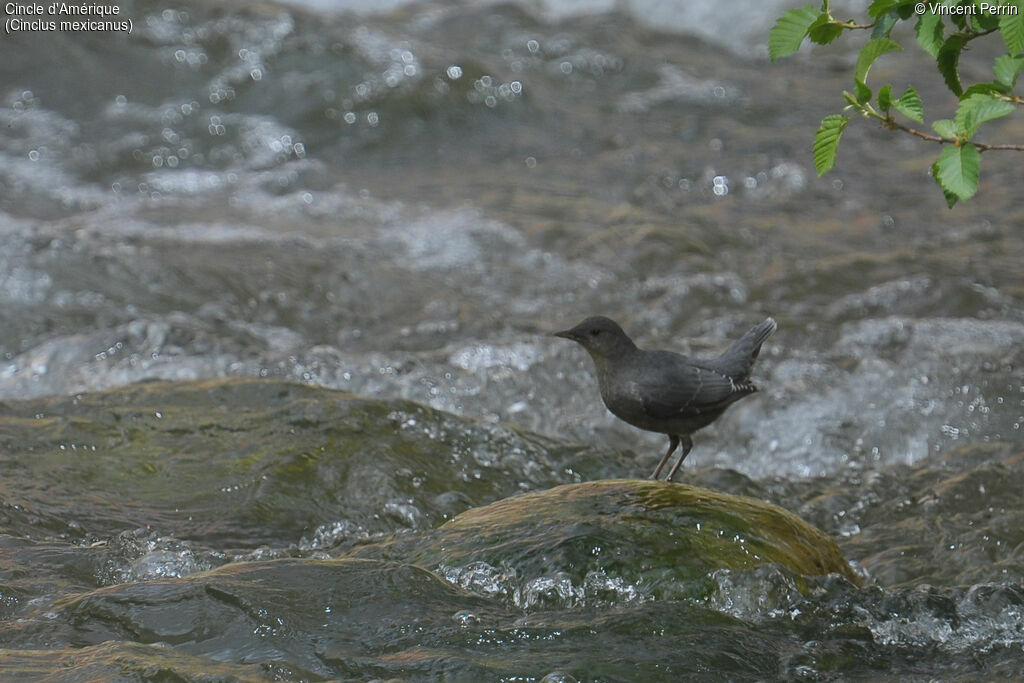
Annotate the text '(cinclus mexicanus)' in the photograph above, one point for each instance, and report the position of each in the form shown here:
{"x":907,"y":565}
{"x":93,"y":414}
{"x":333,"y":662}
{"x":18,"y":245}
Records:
{"x":666,"y":392}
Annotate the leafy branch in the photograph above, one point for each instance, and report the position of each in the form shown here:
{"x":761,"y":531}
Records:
{"x":943,"y":29}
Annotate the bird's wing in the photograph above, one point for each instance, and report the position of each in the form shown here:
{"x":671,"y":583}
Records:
{"x":673,"y":386}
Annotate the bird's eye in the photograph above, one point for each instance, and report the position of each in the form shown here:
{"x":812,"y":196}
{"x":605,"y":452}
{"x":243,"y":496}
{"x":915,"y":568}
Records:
{"x":594,"y":333}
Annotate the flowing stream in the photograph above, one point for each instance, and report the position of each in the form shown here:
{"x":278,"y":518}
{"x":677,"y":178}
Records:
{"x":383,"y":211}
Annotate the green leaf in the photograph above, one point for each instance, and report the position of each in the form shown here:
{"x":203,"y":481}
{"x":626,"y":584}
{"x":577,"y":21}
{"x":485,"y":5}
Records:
{"x":823,"y":31}
{"x":1007,"y":68}
{"x":945,"y":128}
{"x":956,"y":172}
{"x":885,"y":98}
{"x":790,"y":30}
{"x":909,"y":104}
{"x":884,"y":24}
{"x":880,"y":7}
{"x":872,"y":50}
{"x":977,"y":109}
{"x":948,"y":61}
{"x":826,"y":142}
{"x":862,"y":91}
{"x":951,"y":199}
{"x":906,"y":10}
{"x":929,"y":33}
{"x":1011,"y":28}
{"x":987,"y":20}
{"x":985,"y":89}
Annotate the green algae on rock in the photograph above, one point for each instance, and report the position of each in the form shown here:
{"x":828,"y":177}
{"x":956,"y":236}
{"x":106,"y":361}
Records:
{"x":306,"y":619}
{"x":615,"y":538}
{"x":245,"y":462}
{"x":298,"y":619}
{"x":127,"y":661}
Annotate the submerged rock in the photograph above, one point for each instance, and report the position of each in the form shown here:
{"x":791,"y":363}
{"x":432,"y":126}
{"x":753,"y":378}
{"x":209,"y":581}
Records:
{"x":584,"y":565}
{"x":240,"y":463}
{"x":127,"y":661}
{"x":616,"y":540}
{"x":297,"y":619}
{"x":150,"y":486}
{"x":348,"y":619}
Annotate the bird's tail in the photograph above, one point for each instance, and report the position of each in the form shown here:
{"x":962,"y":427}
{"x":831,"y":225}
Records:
{"x":738,"y":360}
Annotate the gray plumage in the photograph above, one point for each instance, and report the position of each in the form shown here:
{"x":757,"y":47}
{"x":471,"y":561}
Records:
{"x":666,"y":392}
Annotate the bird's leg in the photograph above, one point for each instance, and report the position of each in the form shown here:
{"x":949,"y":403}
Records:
{"x":673,"y":441}
{"x":687,"y":445}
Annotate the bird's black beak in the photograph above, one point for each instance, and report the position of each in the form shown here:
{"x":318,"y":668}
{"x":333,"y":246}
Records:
{"x":566,"y":334}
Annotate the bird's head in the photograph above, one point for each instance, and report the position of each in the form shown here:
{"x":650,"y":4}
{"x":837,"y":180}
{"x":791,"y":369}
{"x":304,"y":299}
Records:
{"x":601,"y":337}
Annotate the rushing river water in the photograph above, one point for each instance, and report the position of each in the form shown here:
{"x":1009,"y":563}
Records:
{"x":402,"y":205}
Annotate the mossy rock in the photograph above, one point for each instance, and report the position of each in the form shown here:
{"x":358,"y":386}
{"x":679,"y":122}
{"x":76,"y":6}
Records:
{"x":287,"y":619}
{"x":127,"y":661}
{"x":244,"y":462}
{"x":664,"y":540}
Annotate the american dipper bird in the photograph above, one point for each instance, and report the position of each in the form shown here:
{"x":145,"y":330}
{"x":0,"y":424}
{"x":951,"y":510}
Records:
{"x":666,"y":392}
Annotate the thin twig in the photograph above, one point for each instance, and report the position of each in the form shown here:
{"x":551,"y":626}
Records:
{"x":981,"y":146}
